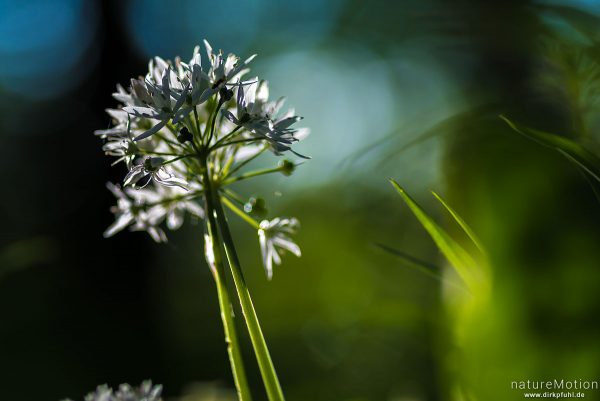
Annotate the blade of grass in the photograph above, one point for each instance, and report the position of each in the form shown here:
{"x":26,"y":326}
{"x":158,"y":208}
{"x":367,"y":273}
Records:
{"x":460,"y":259}
{"x":573,"y":151}
{"x":461,"y":222}
{"x":594,"y":185}
{"x":424,"y":267}
{"x":429,"y":269}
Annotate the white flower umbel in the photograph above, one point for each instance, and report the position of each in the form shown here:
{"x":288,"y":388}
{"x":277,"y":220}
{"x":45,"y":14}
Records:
{"x":186,"y":133}
{"x":180,"y":113}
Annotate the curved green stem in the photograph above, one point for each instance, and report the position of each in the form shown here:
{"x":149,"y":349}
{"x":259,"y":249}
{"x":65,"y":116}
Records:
{"x":267,"y":369}
{"x":240,"y":213}
{"x":245,"y":162}
{"x":251,"y":174}
{"x":234,"y":142}
{"x":226,"y":137}
{"x":217,"y":267}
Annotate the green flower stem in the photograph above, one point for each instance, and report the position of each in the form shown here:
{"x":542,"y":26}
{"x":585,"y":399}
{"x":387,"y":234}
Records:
{"x":226,"y":137}
{"x":170,"y":142}
{"x":197,"y":120}
{"x":242,"y":164}
{"x":214,"y":120}
{"x":231,"y":339}
{"x":240,"y":213}
{"x":233,"y":346}
{"x":152,"y":153}
{"x":248,"y":140}
{"x":259,"y":344}
{"x":232,"y":196}
{"x":175,"y":159}
{"x":251,"y":174}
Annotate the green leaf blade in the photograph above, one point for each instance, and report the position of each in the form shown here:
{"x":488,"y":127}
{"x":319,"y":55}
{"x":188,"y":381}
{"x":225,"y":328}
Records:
{"x":461,"y":222}
{"x":573,"y":151}
{"x":460,"y":259}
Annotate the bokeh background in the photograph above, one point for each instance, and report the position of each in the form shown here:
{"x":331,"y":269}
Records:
{"x":403,"y":89}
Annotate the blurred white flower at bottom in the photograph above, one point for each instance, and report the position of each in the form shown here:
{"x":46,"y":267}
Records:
{"x":146,"y":392}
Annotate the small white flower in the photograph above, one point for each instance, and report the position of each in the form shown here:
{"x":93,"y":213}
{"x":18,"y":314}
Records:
{"x":160,"y":101}
{"x":274,"y":239}
{"x":152,"y":167}
{"x":128,"y":212}
{"x":169,"y":203}
{"x":256,"y":114}
{"x":145,"y":209}
{"x":223,"y":70}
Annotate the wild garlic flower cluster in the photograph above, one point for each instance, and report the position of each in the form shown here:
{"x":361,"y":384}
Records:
{"x":185,"y":126}
{"x":146,"y":392}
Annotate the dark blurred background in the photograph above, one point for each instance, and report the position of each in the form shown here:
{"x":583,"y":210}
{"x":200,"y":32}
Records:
{"x":403,"y":89}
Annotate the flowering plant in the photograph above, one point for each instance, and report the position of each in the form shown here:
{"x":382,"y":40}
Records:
{"x":186,"y":132}
{"x":145,"y":392}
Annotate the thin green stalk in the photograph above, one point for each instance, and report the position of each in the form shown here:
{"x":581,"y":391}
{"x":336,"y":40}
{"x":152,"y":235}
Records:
{"x":197,"y":120}
{"x":251,"y":174}
{"x":152,"y":153}
{"x":175,"y":159}
{"x":214,"y":120}
{"x":236,"y":141}
{"x":259,"y":344}
{"x":248,"y":160}
{"x":231,"y":339}
{"x":226,"y":137}
{"x":240,"y":213}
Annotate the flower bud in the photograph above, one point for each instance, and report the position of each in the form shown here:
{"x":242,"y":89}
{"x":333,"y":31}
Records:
{"x":286,"y":167}
{"x":153,"y":163}
{"x":256,"y":206}
{"x":226,"y":94}
{"x":184,"y":135}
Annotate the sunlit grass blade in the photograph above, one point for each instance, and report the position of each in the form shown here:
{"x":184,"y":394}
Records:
{"x":460,"y":259}
{"x":573,"y":151}
{"x":461,"y":222}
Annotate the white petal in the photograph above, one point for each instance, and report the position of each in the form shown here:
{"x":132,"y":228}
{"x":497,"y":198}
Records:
{"x":287,"y":244}
{"x":144,"y":112}
{"x":229,"y":115}
{"x":151,"y":131}
{"x":174,"y":219}
{"x":122,"y":221}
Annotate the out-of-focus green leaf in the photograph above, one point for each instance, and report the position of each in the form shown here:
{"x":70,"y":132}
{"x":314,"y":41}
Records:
{"x":388,"y":143}
{"x":573,"y":151}
{"x":424,"y":267}
{"x":461,"y":222}
{"x":25,"y":253}
{"x":458,"y":257}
